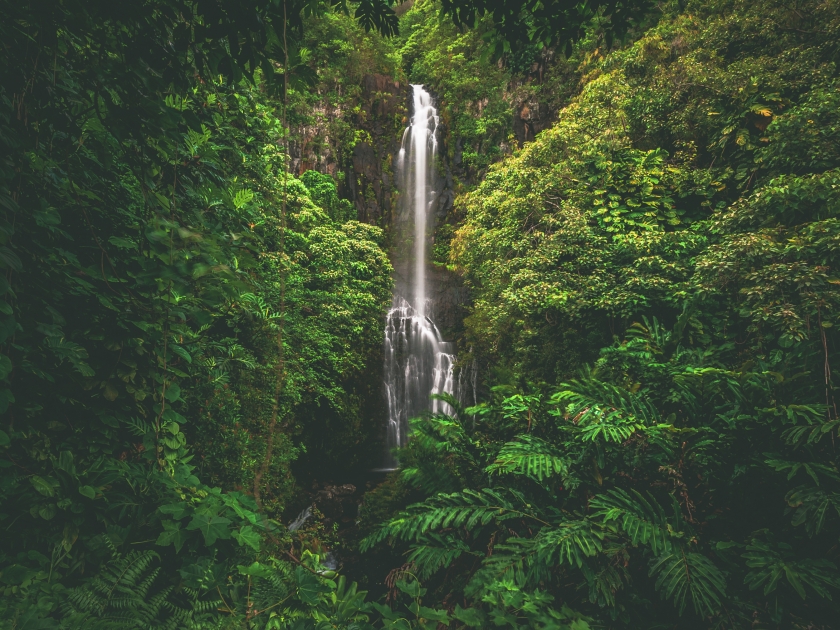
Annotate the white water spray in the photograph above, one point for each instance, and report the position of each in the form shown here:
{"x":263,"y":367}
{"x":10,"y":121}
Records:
{"x":418,"y":363}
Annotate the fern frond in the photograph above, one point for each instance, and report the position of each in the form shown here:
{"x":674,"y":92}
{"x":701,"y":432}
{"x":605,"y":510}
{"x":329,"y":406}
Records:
{"x":201,"y":606}
{"x":603,"y":410}
{"x":529,"y":456}
{"x":712,"y":381}
{"x":570,"y":542}
{"x":273,"y":587}
{"x":142,"y":589}
{"x":439,"y":442}
{"x":435,"y":552}
{"x":641,"y":518}
{"x":604,"y":580}
{"x":126,"y":572}
{"x":138,"y":426}
{"x":431,"y":477}
{"x":467,"y":509}
{"x":813,"y":506}
{"x":259,"y":307}
{"x":439,"y":431}
{"x":122,"y":596}
{"x":651,"y":332}
{"x":153,"y":606}
{"x":770,"y":563}
{"x":814,"y":470}
{"x":810,"y":424}
{"x":682,"y":576}
{"x":454,"y":403}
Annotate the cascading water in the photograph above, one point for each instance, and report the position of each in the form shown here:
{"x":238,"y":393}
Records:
{"x":418,"y":363}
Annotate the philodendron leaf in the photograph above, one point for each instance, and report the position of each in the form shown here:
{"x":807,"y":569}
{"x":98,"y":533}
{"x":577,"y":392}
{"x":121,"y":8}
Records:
{"x":247,"y":535}
{"x":468,"y":616}
{"x":309,"y":586}
{"x":256,"y":570}
{"x":173,"y":535}
{"x":212,"y":527}
{"x":47,"y":512}
{"x":432,"y":614}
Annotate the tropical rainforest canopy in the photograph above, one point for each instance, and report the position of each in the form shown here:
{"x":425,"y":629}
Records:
{"x":196,"y":253}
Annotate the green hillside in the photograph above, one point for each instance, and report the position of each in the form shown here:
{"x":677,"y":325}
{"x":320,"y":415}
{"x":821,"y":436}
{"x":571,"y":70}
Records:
{"x":637,"y":228}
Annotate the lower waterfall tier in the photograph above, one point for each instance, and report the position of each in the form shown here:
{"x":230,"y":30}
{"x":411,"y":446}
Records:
{"x":418,"y":364}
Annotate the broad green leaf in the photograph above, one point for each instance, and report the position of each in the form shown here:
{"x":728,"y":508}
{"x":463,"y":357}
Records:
{"x":172,"y":535}
{"x":6,"y":398}
{"x":173,"y":392}
{"x":87,"y":491}
{"x":471,"y":617}
{"x":247,"y":535}
{"x":5,"y":366}
{"x":255,"y":569}
{"x":65,"y":462}
{"x":110,"y":392}
{"x":212,"y":527}
{"x":48,"y":511}
{"x":170,"y":415}
{"x":441,"y":616}
{"x":181,"y":352}
{"x":42,"y":486}
{"x":175,"y":510}
{"x":309,"y":586}
{"x":233,"y":502}
{"x":412,"y":588}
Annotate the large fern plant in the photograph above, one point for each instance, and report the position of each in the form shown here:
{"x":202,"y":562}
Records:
{"x":127,"y":593}
{"x":654,"y":475}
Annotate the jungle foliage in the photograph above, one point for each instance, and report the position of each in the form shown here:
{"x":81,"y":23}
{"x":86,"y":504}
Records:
{"x":546,"y":22}
{"x":176,"y":307}
{"x":655,"y":304}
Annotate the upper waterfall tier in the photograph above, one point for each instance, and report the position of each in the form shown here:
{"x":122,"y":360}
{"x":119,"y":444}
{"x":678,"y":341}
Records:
{"x":415,"y":167}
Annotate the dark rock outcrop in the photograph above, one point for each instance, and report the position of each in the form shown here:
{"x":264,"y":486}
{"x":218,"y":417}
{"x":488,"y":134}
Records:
{"x":370,"y":182}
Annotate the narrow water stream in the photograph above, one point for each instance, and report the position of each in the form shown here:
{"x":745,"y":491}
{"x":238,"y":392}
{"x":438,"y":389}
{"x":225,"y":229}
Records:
{"x":418,"y":362}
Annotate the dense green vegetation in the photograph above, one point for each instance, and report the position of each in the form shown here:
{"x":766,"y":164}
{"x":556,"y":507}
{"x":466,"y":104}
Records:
{"x":177,"y":308}
{"x":191,"y":324}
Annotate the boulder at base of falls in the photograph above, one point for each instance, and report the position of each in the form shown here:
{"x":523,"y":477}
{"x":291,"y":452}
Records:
{"x":337,"y":503}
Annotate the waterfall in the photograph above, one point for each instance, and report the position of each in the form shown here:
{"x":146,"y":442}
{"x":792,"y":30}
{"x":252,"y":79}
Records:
{"x":418,"y":363}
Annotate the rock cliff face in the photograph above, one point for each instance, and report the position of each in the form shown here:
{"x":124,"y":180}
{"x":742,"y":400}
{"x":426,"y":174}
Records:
{"x":370,"y":182}
{"x":530,"y":118}
{"x":366,"y":175}
{"x":356,"y":145}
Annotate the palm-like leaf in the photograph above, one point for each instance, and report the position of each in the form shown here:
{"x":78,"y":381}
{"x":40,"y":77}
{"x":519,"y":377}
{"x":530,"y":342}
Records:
{"x":641,"y":518}
{"x":681,"y":576}
{"x":467,"y":509}
{"x":122,"y":596}
{"x":603,"y":410}
{"x":529,"y":456}
{"x":770,"y":563}
{"x":814,"y":506}
{"x":435,"y":552}
{"x":570,"y":543}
